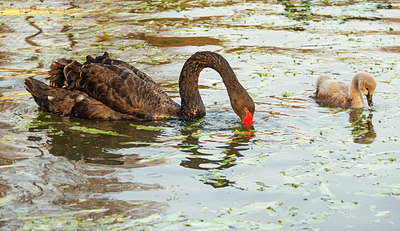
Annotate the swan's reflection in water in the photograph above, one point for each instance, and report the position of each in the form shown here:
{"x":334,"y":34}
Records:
{"x":91,"y":148}
{"x":94,"y":142}
{"x":363,"y":130}
{"x":96,"y":169}
{"x":200,"y":159}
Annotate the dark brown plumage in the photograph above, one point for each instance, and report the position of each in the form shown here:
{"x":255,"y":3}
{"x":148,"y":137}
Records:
{"x":71,"y":103}
{"x":109,"y":89}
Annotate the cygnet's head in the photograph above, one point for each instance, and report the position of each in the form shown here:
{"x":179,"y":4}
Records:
{"x":367,"y":85}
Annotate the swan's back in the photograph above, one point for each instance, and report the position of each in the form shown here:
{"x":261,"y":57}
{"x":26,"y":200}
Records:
{"x":332,"y":92}
{"x":116,"y":84}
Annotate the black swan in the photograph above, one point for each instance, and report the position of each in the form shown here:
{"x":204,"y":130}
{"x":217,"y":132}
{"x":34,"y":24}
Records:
{"x":344,"y":95}
{"x":107,"y":89}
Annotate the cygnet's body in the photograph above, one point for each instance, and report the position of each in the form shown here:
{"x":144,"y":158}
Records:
{"x":344,"y":95}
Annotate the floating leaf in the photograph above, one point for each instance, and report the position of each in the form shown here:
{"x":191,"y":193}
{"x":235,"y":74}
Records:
{"x":96,"y":131}
{"x":147,"y":127}
{"x":382,"y":213}
{"x":287,"y":94}
{"x":336,"y":205}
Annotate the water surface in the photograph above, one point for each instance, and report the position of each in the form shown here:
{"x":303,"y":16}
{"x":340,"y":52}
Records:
{"x":302,"y":165}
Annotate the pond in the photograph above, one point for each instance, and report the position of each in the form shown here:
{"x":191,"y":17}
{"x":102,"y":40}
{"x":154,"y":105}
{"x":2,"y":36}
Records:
{"x":301,"y":166}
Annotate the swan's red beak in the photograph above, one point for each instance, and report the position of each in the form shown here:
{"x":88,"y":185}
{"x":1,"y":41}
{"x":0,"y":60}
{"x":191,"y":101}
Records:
{"x":248,"y":120}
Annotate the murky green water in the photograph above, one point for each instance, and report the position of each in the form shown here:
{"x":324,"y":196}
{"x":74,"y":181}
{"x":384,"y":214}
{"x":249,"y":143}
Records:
{"x":303,"y":166}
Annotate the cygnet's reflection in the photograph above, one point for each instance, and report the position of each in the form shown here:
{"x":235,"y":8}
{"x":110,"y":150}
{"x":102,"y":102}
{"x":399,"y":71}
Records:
{"x":363,"y":130}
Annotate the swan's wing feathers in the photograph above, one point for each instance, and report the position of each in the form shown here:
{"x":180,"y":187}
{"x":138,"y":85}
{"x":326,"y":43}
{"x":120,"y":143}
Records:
{"x":121,"y":89}
{"x":64,"y":72}
{"x":116,"y":84}
{"x":93,"y":109}
{"x":331,"y":91}
{"x":56,"y":73}
{"x":72,"y":75}
{"x":105,"y":59}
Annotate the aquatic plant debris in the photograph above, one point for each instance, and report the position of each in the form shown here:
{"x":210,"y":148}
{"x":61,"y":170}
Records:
{"x":95,"y":131}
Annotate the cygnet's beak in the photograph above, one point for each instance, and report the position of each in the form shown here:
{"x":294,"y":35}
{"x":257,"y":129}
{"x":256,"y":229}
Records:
{"x":369,"y":99}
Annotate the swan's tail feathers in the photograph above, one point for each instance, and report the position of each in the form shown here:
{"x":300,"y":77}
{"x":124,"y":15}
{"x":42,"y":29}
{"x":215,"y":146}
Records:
{"x":56,"y":73}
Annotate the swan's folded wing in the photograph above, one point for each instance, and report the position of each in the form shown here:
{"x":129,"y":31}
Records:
{"x":121,"y":89}
{"x":105,"y":59}
{"x":332,"y":91}
{"x":58,"y":71}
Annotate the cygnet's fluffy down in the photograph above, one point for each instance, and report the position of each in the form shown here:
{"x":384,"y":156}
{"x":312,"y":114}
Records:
{"x":342,"y":94}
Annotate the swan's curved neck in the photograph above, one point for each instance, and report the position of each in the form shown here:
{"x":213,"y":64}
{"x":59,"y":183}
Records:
{"x":355,"y":93}
{"x":191,"y":102}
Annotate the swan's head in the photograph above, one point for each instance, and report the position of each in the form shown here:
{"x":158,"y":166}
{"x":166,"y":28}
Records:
{"x":244,"y":107}
{"x":367,"y":85}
